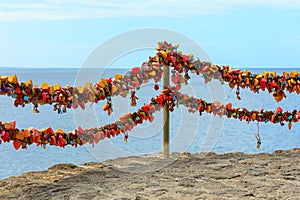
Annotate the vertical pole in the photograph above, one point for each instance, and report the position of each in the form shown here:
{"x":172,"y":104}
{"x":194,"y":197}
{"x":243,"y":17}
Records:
{"x":166,"y":115}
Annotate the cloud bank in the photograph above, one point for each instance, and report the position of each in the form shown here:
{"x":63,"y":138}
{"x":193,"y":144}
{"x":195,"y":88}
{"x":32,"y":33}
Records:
{"x":77,"y":9}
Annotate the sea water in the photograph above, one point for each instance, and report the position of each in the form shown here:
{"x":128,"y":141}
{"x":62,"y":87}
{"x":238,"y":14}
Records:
{"x":189,"y":132}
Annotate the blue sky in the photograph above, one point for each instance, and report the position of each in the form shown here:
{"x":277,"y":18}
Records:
{"x":62,"y":33}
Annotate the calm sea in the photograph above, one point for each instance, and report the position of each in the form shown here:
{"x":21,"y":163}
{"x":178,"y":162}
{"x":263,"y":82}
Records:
{"x":189,"y":132}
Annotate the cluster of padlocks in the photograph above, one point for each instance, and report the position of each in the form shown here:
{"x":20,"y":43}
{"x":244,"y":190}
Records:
{"x":63,"y":98}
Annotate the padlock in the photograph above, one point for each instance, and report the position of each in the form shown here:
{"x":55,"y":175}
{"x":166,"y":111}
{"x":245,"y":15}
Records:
{"x":13,"y":79}
{"x":279,"y":109}
{"x":45,"y":87}
{"x":17,"y":144}
{"x":19,"y":135}
{"x":290,"y":125}
{"x":294,"y":74}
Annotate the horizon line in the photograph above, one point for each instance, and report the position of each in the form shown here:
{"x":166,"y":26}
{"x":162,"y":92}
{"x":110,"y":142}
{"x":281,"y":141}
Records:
{"x":77,"y":68}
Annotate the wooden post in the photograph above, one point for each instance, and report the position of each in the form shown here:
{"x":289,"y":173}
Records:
{"x":166,"y":116}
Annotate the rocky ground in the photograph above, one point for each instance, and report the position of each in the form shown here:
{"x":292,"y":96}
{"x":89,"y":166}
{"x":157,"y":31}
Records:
{"x":182,"y":176}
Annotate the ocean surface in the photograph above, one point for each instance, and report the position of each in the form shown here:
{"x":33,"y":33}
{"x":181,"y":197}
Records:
{"x":189,"y":132}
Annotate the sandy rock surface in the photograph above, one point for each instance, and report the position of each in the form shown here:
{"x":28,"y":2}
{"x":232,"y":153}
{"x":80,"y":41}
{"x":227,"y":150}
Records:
{"x":182,"y":176}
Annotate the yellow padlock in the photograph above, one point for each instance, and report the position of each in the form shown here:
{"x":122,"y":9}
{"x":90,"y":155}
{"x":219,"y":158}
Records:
{"x":13,"y":79}
{"x":59,"y":131}
{"x":265,"y":73}
{"x":240,"y":78}
{"x":102,"y":83}
{"x":88,"y":84}
{"x":28,"y":83}
{"x":3,"y":78}
{"x":259,"y":76}
{"x":51,"y":91}
{"x":118,"y":76}
{"x":56,"y":86}
{"x":247,"y":81}
{"x":293,"y":82}
{"x":114,"y":89}
{"x":217,"y":103}
{"x":81,"y":89}
{"x":294,"y":74}
{"x":95,"y":91}
{"x":164,"y":54}
{"x":45,"y":86}
{"x":152,"y":73}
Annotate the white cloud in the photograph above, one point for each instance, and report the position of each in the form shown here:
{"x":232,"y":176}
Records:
{"x":67,"y":9}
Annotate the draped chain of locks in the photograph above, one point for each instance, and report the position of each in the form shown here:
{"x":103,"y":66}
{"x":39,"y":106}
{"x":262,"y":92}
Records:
{"x":69,"y":97}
